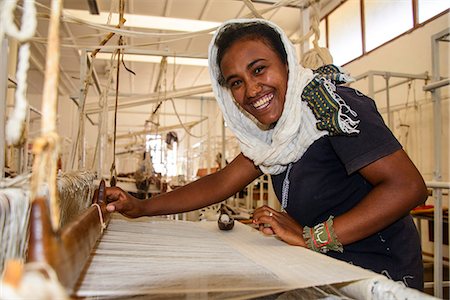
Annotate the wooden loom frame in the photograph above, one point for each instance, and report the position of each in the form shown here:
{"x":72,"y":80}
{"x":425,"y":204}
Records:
{"x":67,"y":250}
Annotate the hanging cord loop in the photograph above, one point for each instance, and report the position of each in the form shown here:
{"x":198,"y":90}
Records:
{"x":15,"y":125}
{"x":318,"y":56}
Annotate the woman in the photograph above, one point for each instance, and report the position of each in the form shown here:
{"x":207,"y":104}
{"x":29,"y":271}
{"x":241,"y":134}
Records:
{"x":344,"y":182}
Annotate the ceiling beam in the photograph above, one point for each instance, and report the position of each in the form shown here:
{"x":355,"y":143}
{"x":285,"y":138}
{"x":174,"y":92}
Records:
{"x":91,"y":108}
{"x":160,"y":129}
{"x":93,"y":7}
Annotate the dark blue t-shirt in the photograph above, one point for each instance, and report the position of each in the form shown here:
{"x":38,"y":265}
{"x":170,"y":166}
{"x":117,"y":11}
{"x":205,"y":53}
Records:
{"x":326,"y":181}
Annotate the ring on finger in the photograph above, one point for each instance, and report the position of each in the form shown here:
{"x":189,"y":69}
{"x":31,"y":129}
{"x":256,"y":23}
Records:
{"x":270,"y":214}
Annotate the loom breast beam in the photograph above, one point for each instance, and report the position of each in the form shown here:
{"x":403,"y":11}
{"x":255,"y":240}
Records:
{"x":68,"y":250}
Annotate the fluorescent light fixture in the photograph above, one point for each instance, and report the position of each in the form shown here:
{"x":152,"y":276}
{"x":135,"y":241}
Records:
{"x":190,"y":61}
{"x":143,"y":21}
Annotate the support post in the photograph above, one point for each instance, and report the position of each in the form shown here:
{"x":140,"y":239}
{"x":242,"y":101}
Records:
{"x":3,"y":92}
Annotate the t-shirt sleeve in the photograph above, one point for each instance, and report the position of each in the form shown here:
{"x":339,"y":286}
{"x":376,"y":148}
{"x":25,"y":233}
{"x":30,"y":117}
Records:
{"x":374,"y":140}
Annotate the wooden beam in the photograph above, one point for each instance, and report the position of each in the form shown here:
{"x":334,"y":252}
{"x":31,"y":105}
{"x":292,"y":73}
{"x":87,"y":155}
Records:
{"x":67,"y":251}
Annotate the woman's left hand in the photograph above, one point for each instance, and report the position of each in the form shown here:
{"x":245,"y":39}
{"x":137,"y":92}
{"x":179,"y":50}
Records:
{"x":280,"y":224}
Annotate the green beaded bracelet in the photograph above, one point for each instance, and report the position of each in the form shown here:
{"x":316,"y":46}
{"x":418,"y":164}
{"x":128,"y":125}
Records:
{"x":322,"y":238}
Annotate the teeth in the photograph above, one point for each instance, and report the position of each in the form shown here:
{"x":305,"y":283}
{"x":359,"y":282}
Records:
{"x":263,"y":101}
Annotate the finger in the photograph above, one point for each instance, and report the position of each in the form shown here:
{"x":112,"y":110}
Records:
{"x":110,"y":207}
{"x":113,"y":196}
{"x":261,"y":213}
{"x":268,"y":231}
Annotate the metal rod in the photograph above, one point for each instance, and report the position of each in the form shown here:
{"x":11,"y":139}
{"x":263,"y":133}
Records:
{"x":153,"y":97}
{"x":437,"y":118}
{"x":388,"y":102}
{"x":160,"y":129}
{"x":438,"y":184}
{"x":155,"y":53}
{"x":437,"y":84}
{"x":3,"y":92}
{"x":391,"y":74}
{"x":393,"y":85}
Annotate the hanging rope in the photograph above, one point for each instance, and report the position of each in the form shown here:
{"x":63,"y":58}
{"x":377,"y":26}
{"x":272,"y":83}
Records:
{"x":15,"y":124}
{"x":103,"y":104}
{"x":318,"y":56}
{"x":172,"y":37}
{"x":82,"y":103}
{"x":113,"y":172}
{"x":181,"y":122}
{"x":252,"y":8}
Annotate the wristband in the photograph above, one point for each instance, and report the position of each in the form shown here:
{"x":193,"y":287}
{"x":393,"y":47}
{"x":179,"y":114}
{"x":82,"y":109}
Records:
{"x":322,"y":238}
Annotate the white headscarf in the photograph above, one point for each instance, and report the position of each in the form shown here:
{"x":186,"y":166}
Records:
{"x":270,"y":149}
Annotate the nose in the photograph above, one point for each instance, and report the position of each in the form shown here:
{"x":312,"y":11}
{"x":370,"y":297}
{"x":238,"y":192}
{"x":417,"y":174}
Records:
{"x":253,"y":88}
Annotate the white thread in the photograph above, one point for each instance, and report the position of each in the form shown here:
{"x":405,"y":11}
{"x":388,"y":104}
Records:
{"x":318,"y":56}
{"x":75,"y":191}
{"x":28,"y":19}
{"x":176,"y":259}
{"x":140,"y":34}
{"x":14,"y":211}
{"x":99,"y":209}
{"x":38,"y":281}
{"x":15,"y":124}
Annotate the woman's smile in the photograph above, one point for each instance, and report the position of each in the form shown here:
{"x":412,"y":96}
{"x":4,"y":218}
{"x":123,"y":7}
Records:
{"x":257,"y":78}
{"x":263,"y":102}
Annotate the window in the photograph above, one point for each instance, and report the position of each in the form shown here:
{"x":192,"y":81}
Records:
{"x":344,"y":25}
{"x":164,"y":160}
{"x":385,"y":20}
{"x":430,"y":8}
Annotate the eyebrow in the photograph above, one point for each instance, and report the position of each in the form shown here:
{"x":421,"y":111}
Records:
{"x":249,"y":66}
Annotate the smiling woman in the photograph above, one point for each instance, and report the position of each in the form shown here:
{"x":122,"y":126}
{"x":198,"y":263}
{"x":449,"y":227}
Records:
{"x":331,"y":157}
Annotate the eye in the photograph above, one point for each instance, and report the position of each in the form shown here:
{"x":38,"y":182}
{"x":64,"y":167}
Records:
{"x":235,"y":83}
{"x":259,"y":69}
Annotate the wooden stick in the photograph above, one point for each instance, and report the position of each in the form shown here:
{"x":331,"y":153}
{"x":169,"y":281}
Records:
{"x":108,"y":37}
{"x":66,"y":251}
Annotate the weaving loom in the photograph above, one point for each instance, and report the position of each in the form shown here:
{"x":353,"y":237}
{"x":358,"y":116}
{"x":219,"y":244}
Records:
{"x":154,"y":258}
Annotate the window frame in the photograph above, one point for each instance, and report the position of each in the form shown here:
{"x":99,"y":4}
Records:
{"x":414,"y":16}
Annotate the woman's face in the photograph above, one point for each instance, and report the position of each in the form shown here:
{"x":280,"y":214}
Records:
{"x":257,"y":78}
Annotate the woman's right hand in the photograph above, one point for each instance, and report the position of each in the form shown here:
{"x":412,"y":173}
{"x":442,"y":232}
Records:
{"x":120,"y":201}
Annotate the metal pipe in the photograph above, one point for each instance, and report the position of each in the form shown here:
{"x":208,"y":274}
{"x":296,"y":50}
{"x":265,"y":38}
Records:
{"x":160,"y":129}
{"x":153,"y":97}
{"x":391,"y":74}
{"x":371,"y":86}
{"x":3,"y":92}
{"x":438,"y":184}
{"x":388,"y":101}
{"x":437,"y":118}
{"x":437,"y":84}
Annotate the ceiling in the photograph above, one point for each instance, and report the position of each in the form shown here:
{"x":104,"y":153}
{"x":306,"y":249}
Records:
{"x":145,"y":82}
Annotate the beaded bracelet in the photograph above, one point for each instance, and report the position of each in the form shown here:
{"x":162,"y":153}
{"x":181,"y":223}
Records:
{"x":322,"y":238}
